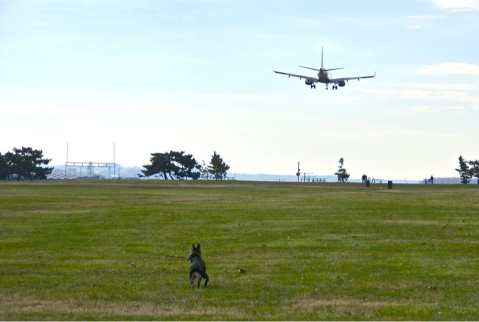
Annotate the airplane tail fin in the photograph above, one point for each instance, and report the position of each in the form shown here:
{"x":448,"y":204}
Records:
{"x":322,"y":62}
{"x":322,"y":55}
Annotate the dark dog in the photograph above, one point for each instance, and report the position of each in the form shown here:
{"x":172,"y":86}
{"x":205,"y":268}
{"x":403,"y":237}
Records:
{"x":197,"y":266}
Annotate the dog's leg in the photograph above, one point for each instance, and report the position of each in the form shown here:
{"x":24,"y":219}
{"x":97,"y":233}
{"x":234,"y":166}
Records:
{"x":192,"y":279}
{"x":199,"y":281}
{"x":206,"y":277}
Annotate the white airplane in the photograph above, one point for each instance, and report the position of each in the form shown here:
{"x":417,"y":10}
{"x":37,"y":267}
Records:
{"x":323,"y":76}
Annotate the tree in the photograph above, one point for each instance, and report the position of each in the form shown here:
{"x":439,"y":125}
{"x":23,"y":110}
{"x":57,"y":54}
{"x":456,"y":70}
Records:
{"x":474,"y":170}
{"x":160,"y":163}
{"x":217,"y":167}
{"x":342,"y":173}
{"x":464,"y":171}
{"x":173,"y":165}
{"x":24,"y":163}
{"x":184,"y":165}
{"x":3,"y":168}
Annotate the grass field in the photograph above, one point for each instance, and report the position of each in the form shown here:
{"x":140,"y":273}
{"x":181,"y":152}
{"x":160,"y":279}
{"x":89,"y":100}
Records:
{"x":117,"y":250}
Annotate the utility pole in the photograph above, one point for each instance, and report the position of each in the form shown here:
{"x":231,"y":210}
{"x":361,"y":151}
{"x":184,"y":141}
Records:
{"x":66,"y":162}
{"x":298,"y":173}
{"x":114,"y":160}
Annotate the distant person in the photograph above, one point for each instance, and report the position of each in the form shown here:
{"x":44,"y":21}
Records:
{"x":431,"y":180}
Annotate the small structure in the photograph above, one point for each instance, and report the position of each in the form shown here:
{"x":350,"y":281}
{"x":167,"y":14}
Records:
{"x":87,"y":168}
{"x":429,"y":181}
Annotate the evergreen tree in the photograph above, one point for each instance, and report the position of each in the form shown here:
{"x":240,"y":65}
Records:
{"x":464,"y":171}
{"x":172,"y":165}
{"x":25,"y":163}
{"x":342,"y":173}
{"x":160,"y":163}
{"x":217,"y":167}
{"x":185,"y":165}
{"x":3,"y":168}
{"x":474,"y":170}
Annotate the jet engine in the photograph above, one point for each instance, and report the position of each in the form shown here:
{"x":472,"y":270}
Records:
{"x":342,"y":83}
{"x":309,"y":82}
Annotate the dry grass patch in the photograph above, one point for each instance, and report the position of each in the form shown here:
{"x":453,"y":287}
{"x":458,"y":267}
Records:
{"x":16,"y":304}
{"x":352,"y":306}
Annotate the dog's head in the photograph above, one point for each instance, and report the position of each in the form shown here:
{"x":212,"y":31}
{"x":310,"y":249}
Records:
{"x":196,"y":249}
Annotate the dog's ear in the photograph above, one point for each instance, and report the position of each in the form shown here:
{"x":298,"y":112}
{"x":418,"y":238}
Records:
{"x":198,"y":247}
{"x":192,"y":247}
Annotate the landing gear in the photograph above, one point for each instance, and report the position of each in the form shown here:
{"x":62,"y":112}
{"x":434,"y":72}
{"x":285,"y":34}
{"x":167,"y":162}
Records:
{"x":313,"y":86}
{"x":333,"y":87}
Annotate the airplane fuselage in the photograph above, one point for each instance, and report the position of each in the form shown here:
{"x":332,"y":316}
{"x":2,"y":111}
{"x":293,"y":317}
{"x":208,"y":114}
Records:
{"x":323,"y":76}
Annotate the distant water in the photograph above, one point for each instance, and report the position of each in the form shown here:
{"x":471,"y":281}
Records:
{"x":133,"y":172}
{"x":329,"y":178}
{"x":276,"y":177}
{"x":314,"y":178}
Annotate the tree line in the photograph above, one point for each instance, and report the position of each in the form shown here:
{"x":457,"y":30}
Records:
{"x":468,"y":169}
{"x":180,"y":166}
{"x":24,"y":164}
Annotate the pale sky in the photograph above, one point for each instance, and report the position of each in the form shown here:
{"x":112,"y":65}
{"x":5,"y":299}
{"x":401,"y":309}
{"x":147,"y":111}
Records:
{"x":153,"y":76}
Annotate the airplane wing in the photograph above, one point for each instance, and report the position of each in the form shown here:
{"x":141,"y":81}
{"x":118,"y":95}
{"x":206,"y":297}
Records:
{"x":314,"y":79}
{"x":336,"y":80}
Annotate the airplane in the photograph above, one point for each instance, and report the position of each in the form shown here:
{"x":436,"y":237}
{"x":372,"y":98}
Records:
{"x":323,"y":76}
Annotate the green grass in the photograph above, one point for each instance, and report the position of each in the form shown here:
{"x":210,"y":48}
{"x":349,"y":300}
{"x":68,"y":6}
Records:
{"x":117,"y":250}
